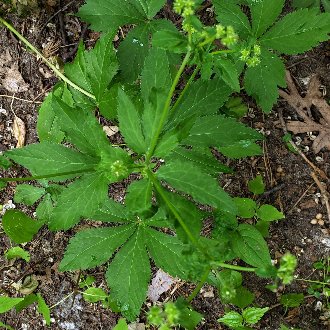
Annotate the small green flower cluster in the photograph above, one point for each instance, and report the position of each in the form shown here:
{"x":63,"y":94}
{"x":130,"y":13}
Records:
{"x":287,"y":268}
{"x":166,"y":318}
{"x":185,"y":8}
{"x":251,"y":56}
{"x":226,"y":34}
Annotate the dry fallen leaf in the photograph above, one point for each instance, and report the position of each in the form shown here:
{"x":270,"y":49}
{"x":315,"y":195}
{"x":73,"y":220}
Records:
{"x":13,"y":80}
{"x":303,"y":106}
{"x":110,"y":130}
{"x":161,"y":283}
{"x":19,"y":132}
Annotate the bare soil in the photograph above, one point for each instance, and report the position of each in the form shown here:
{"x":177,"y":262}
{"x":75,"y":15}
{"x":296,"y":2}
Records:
{"x":288,"y":177}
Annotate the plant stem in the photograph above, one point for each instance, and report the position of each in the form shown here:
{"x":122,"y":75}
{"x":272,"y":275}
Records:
{"x":239,"y":268}
{"x":46,"y":176}
{"x":199,"y":285}
{"x":160,"y":190}
{"x":311,"y":281}
{"x":177,"y":102}
{"x":224,"y":51}
{"x":166,"y":108}
{"x":53,"y":67}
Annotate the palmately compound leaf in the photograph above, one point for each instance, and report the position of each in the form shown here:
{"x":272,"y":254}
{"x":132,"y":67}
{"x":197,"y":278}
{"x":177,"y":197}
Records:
{"x":262,"y":81}
{"x":93,"y":247}
{"x":166,"y":251}
{"x":28,"y":194}
{"x":264,"y":13}
{"x":108,"y":15}
{"x":130,"y":123}
{"x":202,"y":98}
{"x":220,"y":131}
{"x":138,"y":196}
{"x":19,"y":227}
{"x":80,"y":199}
{"x":173,"y":41}
{"x":111,"y":211}
{"x":49,"y":158}
{"x":189,"y":179}
{"x":129,"y":274}
{"x":93,"y":71}
{"x":81,"y":128}
{"x":250,"y":246}
{"x":297,"y":32}
{"x":134,"y":49}
{"x":228,"y":13}
{"x":201,"y":157}
{"x":47,"y":126}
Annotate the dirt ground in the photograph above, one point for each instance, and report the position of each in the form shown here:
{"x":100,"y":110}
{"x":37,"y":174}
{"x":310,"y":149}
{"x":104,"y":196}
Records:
{"x":288,"y":177}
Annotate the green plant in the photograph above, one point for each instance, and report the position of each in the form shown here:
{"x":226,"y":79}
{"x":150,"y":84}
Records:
{"x":312,"y":4}
{"x":169,"y":135}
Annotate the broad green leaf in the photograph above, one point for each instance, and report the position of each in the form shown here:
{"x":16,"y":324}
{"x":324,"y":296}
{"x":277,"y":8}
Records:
{"x":241,"y":149}
{"x":19,"y":227}
{"x":7,"y":303}
{"x":47,"y":126}
{"x":49,"y":158}
{"x":156,"y":75}
{"x":305,"y":3}
{"x":138,"y":196}
{"x":220,"y":131}
{"x":17,"y":252}
{"x":93,"y":247}
{"x":166,"y":251}
{"x":43,"y":309}
{"x":264,"y":14}
{"x":262,"y":81}
{"x":243,"y":297}
{"x":81,"y":128}
{"x":111,"y":211}
{"x":121,"y":325}
{"x":228,"y":73}
{"x":28,"y":194}
{"x":108,"y":15}
{"x":130,"y":123}
{"x":297,"y":32}
{"x":201,"y":157}
{"x":228,"y":13}
{"x":250,"y":246}
{"x":5,"y":163}
{"x":80,"y":199}
{"x":133,"y":51}
{"x":94,"y":295}
{"x":28,"y":300}
{"x":128,"y":276}
{"x":269,"y":213}
{"x":45,"y":209}
{"x":188,"y":178}
{"x":252,"y":315}
{"x":189,"y":318}
{"x":232,"y":319}
{"x":257,"y":186}
{"x":2,"y":185}
{"x":173,"y":41}
{"x":292,"y":299}
{"x":246,"y":207}
{"x":202,"y":98}
{"x":166,"y":144}
{"x":263,"y":227}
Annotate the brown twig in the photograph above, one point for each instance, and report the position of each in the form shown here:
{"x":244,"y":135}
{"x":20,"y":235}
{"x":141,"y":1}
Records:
{"x":300,"y":198}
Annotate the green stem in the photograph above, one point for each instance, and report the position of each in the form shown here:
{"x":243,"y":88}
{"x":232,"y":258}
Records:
{"x":200,"y":285}
{"x":166,"y":108}
{"x":224,"y":51}
{"x":53,"y":67}
{"x":239,"y":268}
{"x":311,"y":281}
{"x":192,"y":77}
{"x":160,"y":190}
{"x":46,"y":176}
